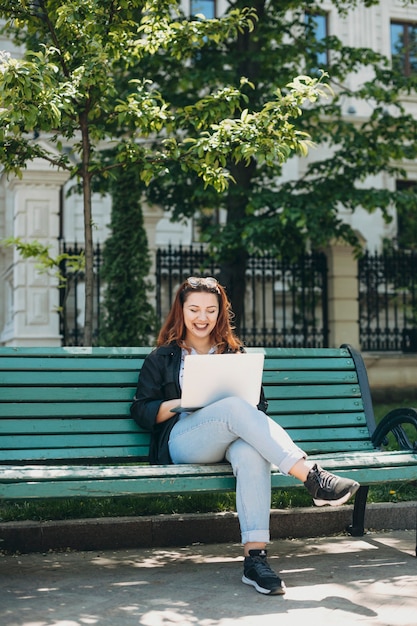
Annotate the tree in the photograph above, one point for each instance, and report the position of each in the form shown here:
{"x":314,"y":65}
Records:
{"x":78,"y":54}
{"x":265,"y":211}
{"x":129,"y":318}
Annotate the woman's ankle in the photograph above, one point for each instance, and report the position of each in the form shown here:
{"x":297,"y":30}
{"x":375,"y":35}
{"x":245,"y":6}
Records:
{"x":301,"y":469}
{"x":253,"y":545}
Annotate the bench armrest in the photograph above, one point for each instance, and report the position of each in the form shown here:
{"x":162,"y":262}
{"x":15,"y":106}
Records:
{"x":393,"y":423}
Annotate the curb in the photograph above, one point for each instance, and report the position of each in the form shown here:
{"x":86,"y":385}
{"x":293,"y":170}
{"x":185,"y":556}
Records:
{"x":114,"y":533}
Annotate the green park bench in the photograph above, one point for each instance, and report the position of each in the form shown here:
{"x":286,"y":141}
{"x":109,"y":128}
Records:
{"x":66,"y":430}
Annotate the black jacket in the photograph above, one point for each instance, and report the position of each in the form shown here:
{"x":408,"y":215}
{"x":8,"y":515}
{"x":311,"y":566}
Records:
{"x":159,"y":381}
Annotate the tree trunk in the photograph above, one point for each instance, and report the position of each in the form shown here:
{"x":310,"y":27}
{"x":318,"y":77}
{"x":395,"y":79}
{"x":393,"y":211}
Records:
{"x":233,"y":277}
{"x":88,"y":233}
{"x":233,"y":266}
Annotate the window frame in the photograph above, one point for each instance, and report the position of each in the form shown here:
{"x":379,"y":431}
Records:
{"x":322,"y":58}
{"x":193,"y":12}
{"x":405,"y":62}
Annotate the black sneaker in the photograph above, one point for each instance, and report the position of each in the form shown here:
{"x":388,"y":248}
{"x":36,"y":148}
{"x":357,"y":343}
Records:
{"x":327,"y":488}
{"x":256,"y":572}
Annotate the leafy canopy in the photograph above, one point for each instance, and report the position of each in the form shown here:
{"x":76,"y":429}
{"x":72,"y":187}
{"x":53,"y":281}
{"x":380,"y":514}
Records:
{"x":270,"y":211}
{"x":80,"y":53}
{"x":88,"y":81}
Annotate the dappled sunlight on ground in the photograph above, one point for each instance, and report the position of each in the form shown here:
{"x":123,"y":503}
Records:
{"x":339,"y":580}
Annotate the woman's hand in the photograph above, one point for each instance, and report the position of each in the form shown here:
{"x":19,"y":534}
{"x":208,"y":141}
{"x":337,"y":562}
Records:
{"x":165,"y":412}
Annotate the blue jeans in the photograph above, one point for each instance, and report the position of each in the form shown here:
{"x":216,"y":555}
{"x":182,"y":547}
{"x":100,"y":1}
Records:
{"x":234,"y":430}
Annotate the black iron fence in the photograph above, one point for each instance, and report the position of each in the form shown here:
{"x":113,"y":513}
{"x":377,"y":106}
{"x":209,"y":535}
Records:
{"x":71,"y":298}
{"x":285,"y":302}
{"x":388,"y":301}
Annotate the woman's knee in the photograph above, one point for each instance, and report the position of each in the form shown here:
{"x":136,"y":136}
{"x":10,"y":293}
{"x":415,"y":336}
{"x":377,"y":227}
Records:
{"x":244,"y":458}
{"x":235,"y":406}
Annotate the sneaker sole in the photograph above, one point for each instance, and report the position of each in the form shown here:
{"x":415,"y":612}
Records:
{"x":341,"y":500}
{"x":267,"y":592}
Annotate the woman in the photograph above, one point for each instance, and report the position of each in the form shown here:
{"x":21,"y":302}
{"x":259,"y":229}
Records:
{"x":199,"y":322}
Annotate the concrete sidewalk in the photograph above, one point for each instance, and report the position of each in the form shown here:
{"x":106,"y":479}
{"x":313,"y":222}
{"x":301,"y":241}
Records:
{"x":334,"y":581}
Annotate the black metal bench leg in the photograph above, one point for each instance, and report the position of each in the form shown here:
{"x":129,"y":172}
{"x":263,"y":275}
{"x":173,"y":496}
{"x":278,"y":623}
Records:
{"x":357,"y":529}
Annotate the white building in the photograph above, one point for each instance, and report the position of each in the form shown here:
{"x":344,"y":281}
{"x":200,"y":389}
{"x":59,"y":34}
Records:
{"x":35,"y":206}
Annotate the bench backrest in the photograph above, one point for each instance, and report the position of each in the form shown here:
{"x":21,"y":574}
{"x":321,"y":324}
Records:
{"x":72,"y":404}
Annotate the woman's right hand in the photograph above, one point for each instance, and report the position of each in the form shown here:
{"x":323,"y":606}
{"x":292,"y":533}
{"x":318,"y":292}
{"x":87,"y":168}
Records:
{"x":165,"y":413}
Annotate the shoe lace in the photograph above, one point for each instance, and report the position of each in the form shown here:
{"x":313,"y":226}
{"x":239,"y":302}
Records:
{"x":262,"y":567}
{"x":324,"y":478}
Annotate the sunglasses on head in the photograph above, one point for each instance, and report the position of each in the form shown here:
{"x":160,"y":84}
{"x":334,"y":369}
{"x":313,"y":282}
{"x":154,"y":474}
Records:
{"x":208,"y":281}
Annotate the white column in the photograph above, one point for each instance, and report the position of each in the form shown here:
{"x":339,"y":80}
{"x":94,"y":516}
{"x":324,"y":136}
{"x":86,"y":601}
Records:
{"x":343,"y":295}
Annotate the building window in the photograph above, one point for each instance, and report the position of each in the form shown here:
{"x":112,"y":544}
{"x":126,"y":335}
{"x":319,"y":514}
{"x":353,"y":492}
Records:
{"x":205,"y":7}
{"x":404,"y":47}
{"x":317,"y":28}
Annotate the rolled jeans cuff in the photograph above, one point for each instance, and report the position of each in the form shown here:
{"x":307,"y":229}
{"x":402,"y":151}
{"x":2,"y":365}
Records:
{"x":293,"y":457}
{"x":258,"y":536}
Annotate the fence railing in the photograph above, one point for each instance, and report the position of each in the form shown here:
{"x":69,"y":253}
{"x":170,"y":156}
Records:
{"x":71,"y":299}
{"x":388,"y":301}
{"x":285,"y":302}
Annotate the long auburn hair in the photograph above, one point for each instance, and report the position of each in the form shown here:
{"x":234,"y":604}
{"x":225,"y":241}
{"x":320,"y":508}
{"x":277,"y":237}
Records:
{"x":173,"y":329}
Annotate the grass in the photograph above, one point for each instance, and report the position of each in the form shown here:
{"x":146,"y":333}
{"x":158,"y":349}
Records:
{"x":81,"y":508}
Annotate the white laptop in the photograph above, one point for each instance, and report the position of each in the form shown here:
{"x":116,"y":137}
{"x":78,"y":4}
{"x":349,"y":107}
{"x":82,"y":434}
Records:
{"x":212,"y":377}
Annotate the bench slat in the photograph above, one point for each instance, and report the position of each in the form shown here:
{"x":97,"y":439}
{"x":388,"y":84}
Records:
{"x":66,"y":440}
{"x":117,"y":487}
{"x":91,"y":378}
{"x":321,"y":420}
{"x":116,"y":352}
{"x":75,"y":440}
{"x":66,"y":409}
{"x":126,"y":454}
{"x":300,"y":353}
{"x":113,"y":424}
{"x":96,"y":393}
{"x":314,"y":405}
{"x":56,"y":364}
{"x":184,"y":482}
{"x":350,"y":460}
{"x":49,"y":426}
{"x":309,"y":364}
{"x":299,"y":377}
{"x":96,"y":454}
{"x":312,"y":391}
{"x":150,"y":487}
{"x":74,"y":395}
{"x":68,"y":352}
{"x":134,"y":362}
{"x":128,"y":377}
{"x":77,"y":409}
